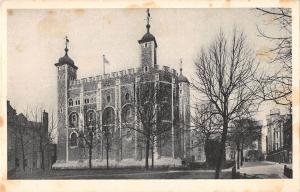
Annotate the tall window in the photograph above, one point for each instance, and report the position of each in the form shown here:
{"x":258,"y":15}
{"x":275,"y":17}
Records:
{"x":73,"y":140}
{"x":70,"y":102}
{"x":108,"y":98}
{"x":73,"y":119}
{"x":91,"y":117}
{"x":127,"y":96}
{"x":87,"y":100}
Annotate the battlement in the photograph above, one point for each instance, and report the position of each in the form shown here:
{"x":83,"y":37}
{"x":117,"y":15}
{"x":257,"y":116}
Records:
{"x":97,"y":78}
{"x":118,"y":74}
{"x":166,"y":68}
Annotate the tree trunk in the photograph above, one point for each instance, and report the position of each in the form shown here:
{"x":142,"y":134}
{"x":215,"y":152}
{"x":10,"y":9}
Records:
{"x":238,"y":157}
{"x":147,"y":153}
{"x":206,"y":151}
{"x":90,"y":150}
{"x":152,"y":157}
{"x":242,"y":156}
{"x":107,"y":148}
{"x":222,"y":148}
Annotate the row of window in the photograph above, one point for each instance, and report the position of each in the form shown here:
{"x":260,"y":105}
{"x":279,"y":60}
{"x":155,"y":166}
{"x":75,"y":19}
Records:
{"x":89,"y":100}
{"x":74,"y":138}
{"x":108,"y":116}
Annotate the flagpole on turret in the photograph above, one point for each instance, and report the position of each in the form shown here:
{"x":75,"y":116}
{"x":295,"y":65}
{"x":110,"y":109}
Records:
{"x":103,"y":63}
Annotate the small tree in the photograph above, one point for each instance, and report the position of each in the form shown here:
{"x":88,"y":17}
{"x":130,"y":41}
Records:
{"x":242,"y":134}
{"x":90,"y":135}
{"x":153,"y":112}
{"x":224,"y":74}
{"x":207,"y":129}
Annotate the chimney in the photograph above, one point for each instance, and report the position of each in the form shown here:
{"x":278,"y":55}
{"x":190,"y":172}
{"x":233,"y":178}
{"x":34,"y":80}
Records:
{"x":45,"y":121}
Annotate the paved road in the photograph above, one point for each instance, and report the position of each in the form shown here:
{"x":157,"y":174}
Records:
{"x":263,"y":169}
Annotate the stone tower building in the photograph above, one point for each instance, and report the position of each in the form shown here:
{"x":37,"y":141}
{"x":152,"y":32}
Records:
{"x":112,"y":102}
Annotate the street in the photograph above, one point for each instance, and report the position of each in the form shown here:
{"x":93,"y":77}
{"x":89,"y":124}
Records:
{"x":264,"y":169}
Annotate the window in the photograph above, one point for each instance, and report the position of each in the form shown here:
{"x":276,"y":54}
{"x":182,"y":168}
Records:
{"x":180,"y":91}
{"x":91,"y":116}
{"x":73,"y":119}
{"x":17,"y":163}
{"x":77,"y":102}
{"x":73,"y":140}
{"x":108,"y":98}
{"x":70,"y":102}
{"x":61,"y":110}
{"x":93,"y":99}
{"x":127,"y":96}
{"x":146,"y":44}
{"x":87,"y":100}
{"x":146,"y":69}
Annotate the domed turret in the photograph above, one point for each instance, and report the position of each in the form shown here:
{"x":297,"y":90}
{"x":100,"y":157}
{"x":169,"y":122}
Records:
{"x":148,"y":47}
{"x":66,"y":59}
{"x":181,"y":77}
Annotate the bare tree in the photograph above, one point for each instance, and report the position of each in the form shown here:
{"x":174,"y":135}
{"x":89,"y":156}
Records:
{"x":154,"y":114}
{"x":224,"y":74}
{"x":277,"y":86}
{"x":90,"y":134}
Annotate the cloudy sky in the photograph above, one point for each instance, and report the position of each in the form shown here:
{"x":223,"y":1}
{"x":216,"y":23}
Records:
{"x":36,"y":42}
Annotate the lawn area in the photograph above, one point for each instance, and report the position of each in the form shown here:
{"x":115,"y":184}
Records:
{"x":124,"y":174}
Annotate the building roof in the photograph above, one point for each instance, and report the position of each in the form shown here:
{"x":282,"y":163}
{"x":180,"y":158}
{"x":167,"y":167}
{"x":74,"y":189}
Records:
{"x":147,"y":38}
{"x":66,"y":60}
{"x":182,"y":78}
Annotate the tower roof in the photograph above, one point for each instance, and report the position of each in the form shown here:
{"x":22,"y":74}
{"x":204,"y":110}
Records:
{"x":148,"y":36}
{"x":182,"y":78}
{"x":66,"y":59}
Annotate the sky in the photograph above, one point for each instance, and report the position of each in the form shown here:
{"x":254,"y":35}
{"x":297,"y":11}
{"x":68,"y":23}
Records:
{"x":35,"y":40}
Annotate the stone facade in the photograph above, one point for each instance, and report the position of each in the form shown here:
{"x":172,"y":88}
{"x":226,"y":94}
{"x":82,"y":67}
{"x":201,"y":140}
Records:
{"x":279,"y":137}
{"x":112,"y":100}
{"x":24,"y":140}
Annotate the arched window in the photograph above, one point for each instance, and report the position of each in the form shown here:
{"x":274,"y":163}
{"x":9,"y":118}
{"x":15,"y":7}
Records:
{"x":73,"y":140}
{"x":127,"y":114}
{"x":70,"y":102}
{"x":127,"y":96}
{"x":108,"y":116}
{"x":73,"y":119}
{"x":91,"y":117}
{"x":108,"y":98}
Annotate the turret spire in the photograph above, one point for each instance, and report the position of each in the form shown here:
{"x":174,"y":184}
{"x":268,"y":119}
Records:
{"x":67,"y":42}
{"x":148,"y":20}
{"x":180,"y":65}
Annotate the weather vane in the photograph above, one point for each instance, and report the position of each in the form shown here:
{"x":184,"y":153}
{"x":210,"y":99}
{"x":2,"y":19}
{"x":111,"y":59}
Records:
{"x":67,"y":41}
{"x":148,"y":16}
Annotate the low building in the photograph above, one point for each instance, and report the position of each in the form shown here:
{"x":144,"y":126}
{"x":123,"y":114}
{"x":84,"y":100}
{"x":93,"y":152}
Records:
{"x":279,"y":137}
{"x":28,"y":144}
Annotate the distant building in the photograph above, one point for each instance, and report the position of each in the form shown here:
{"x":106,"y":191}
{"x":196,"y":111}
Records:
{"x":279,"y":137}
{"x":111,"y":101}
{"x":24,"y":141}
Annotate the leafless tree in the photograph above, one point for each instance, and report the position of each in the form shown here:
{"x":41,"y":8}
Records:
{"x":277,"y":86}
{"x":224,"y":74}
{"x":154,"y":113}
{"x":90,"y":133}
